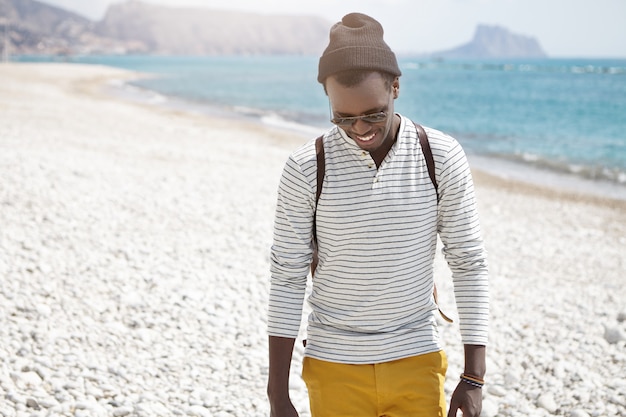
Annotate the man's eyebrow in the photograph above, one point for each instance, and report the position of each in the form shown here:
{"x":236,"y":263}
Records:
{"x":370,"y":111}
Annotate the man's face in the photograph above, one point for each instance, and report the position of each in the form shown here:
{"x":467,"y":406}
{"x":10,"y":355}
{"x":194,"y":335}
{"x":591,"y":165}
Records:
{"x":371,"y":96}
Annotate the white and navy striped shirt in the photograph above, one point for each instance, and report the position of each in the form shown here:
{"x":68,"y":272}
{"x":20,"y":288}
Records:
{"x":371,"y":298}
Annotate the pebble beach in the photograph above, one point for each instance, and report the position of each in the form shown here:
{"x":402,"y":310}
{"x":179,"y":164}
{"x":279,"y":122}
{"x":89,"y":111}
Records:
{"x":134,"y":266}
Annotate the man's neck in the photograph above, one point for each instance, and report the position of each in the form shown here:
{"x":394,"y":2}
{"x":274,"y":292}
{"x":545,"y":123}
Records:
{"x":380,"y":154}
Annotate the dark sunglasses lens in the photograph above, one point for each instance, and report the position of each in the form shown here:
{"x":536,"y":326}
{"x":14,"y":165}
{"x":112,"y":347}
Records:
{"x":375,"y":118}
{"x":369,"y":118}
{"x":340,"y":121}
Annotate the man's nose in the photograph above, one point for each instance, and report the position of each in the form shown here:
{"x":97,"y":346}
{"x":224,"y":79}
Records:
{"x":360,"y":126}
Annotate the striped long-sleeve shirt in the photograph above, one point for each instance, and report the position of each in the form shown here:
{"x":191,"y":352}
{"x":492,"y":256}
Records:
{"x":371,"y":299}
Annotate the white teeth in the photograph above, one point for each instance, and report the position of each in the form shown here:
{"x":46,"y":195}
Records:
{"x":366,"y":138}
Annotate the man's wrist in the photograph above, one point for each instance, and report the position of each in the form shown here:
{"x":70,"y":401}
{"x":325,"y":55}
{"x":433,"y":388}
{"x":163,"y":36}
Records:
{"x":475,"y":361}
{"x":472,"y":380}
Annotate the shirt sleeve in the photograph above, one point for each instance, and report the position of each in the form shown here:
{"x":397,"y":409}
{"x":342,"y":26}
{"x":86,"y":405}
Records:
{"x":291,"y":251}
{"x":463,"y":248}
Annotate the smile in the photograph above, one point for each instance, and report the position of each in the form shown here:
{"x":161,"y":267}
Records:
{"x":365,"y":138}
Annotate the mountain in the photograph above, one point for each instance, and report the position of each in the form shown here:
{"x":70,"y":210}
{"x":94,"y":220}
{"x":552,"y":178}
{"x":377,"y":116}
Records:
{"x":133,"y":26}
{"x":33,"y":27}
{"x":495,"y":42}
{"x":188,"y":31}
{"x":35,"y":16}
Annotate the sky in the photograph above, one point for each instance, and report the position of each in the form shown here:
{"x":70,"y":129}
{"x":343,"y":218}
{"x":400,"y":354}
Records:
{"x":564,"y":28}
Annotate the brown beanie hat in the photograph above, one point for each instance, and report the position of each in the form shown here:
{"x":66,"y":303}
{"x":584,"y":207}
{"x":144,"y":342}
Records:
{"x":357,"y":43}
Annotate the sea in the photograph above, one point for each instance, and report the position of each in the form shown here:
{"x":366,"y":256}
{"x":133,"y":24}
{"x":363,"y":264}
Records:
{"x":557,"y":122}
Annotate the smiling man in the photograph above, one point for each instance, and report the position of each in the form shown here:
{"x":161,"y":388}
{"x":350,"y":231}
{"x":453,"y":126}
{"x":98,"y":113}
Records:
{"x":373,"y":347}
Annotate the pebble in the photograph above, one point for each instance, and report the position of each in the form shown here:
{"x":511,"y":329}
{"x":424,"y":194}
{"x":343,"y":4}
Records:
{"x":122,"y":411}
{"x":490,"y":408}
{"x":198,"y":411}
{"x":547,"y":402}
{"x":614,"y":334}
{"x":26,"y":380}
{"x":497,"y":390}
{"x":32,"y":403}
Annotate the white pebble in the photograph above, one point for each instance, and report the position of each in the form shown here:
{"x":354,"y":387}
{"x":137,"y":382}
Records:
{"x":497,"y":390}
{"x":122,"y":411}
{"x":490,"y":408}
{"x":198,"y":411}
{"x":547,"y":402}
{"x":614,"y":334}
{"x":26,"y":380}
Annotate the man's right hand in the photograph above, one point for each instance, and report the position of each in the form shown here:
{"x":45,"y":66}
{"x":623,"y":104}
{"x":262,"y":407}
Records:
{"x":280,"y":352}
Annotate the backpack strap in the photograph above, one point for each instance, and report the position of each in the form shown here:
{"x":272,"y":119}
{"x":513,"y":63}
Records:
{"x":428,"y":155}
{"x":321,"y":166}
{"x":430,"y":165}
{"x":321,"y":171}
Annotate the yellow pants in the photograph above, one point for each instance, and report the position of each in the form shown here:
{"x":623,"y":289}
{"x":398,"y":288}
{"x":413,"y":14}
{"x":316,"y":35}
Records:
{"x":402,"y":388}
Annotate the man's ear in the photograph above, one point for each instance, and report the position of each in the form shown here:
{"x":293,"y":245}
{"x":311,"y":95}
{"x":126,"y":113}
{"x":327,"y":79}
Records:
{"x":396,"y":87}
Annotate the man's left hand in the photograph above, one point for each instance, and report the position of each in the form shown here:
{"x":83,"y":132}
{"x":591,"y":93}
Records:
{"x":466,"y":398}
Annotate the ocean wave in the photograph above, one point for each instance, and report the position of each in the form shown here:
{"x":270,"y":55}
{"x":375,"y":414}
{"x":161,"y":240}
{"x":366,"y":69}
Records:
{"x":546,"y":175}
{"x":591,"y":172}
{"x":275,"y":120}
{"x":136,"y":93}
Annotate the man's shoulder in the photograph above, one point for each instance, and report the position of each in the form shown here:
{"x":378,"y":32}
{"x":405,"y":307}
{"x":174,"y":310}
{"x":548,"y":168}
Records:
{"x":439,"y":139}
{"x":307,"y":150}
{"x":304,"y":156}
{"x":304,"y":153}
{"x":440,"y":142}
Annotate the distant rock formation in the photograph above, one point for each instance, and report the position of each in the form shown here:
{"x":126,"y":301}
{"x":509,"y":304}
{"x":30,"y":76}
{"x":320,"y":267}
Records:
{"x":187,"y":31}
{"x":33,"y":27}
{"x":495,"y":42}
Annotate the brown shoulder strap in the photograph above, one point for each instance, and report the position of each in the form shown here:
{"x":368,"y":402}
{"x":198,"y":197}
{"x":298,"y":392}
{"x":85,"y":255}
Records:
{"x":430,"y":165}
{"x":321,"y":166}
{"x":321,"y":171}
{"x":428,"y":155}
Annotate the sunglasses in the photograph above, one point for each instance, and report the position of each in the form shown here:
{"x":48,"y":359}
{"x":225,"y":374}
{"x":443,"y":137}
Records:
{"x":378,"y":117}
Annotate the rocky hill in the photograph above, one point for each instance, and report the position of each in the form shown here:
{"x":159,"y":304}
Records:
{"x":34,"y":27}
{"x":187,"y":31}
{"x":36,"y":16}
{"x":495,"y":42}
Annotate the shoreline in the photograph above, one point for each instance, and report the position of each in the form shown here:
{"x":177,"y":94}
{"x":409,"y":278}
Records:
{"x":507,"y":175}
{"x":609,"y":179}
{"x":134,"y":246}
{"x":502,"y":169}
{"x":555,"y":185}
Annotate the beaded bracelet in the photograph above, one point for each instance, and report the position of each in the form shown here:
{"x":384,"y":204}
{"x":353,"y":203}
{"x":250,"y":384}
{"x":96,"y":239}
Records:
{"x":472,"y":380}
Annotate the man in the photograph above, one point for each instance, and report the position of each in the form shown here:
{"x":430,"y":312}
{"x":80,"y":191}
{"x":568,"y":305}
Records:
{"x":373,"y":347}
